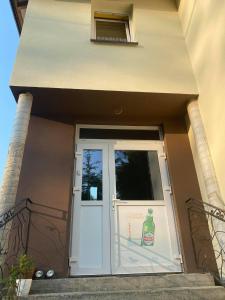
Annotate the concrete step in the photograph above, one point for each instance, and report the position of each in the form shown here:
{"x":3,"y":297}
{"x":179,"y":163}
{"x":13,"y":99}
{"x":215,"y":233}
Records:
{"x":185,"y":293}
{"x":117,"y":283}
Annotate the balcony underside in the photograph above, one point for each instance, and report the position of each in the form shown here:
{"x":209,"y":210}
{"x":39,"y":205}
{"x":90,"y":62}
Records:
{"x":66,"y":105}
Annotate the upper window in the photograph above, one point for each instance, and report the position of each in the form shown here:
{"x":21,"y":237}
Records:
{"x":112,"y":27}
{"x":113,"y":30}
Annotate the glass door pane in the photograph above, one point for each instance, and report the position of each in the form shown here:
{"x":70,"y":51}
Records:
{"x":92,"y":175}
{"x":137,"y":175}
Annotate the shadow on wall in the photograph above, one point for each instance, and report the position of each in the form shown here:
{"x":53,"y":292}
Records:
{"x":205,"y":38}
{"x":178,"y":3}
{"x":36,"y":230}
{"x":47,"y":243}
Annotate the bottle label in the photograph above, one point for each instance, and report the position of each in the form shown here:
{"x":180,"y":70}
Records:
{"x":148,"y":239}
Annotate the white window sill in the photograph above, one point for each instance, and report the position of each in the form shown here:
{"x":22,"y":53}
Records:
{"x":113,"y":42}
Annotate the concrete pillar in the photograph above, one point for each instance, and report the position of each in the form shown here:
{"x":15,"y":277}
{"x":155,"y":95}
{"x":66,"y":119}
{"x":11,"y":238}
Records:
{"x":15,"y":154}
{"x":208,"y":171}
{"x":216,"y":227}
{"x":12,"y":170}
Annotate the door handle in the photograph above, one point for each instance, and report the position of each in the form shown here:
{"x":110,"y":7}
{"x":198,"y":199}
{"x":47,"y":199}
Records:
{"x":117,"y":201}
{"x":76,"y":189}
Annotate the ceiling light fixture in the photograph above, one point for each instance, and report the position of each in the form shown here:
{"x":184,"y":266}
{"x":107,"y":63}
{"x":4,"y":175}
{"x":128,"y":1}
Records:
{"x":118,"y":110}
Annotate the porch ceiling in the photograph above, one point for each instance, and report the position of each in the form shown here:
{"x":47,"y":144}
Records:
{"x":68,"y":105}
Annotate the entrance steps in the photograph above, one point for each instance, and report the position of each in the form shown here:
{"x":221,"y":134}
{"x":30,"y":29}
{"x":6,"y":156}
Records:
{"x":152,"y":287}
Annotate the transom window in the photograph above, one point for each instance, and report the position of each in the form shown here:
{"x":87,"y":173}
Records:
{"x":119,"y":134}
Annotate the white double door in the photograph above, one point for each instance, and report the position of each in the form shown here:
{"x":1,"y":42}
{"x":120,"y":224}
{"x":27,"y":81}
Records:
{"x":123,"y":220}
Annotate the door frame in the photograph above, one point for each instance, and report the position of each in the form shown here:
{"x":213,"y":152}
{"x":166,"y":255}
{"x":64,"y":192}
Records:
{"x":126,"y":127}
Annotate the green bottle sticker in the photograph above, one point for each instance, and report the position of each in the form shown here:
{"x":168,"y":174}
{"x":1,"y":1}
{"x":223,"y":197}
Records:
{"x":148,"y":230}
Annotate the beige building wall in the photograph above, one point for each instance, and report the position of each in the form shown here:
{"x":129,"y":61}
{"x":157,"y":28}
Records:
{"x":55,"y":49}
{"x":204,"y":30}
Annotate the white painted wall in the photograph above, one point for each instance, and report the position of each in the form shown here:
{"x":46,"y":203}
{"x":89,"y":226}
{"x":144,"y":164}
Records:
{"x":204,"y":30}
{"x":55,"y":50}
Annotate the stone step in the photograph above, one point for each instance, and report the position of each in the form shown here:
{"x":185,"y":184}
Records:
{"x":181,"y":293}
{"x":117,"y":283}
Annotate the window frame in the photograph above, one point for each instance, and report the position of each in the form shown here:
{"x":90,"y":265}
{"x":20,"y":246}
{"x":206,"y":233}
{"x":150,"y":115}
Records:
{"x":127,"y":29}
{"x":119,"y":14}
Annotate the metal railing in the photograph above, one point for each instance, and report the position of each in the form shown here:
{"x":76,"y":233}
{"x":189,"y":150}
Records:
{"x":14,"y":234}
{"x":207,"y":225}
{"x":36,"y":230}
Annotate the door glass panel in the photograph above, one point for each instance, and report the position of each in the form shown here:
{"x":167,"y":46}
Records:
{"x":92,"y":175}
{"x":138,"y":175}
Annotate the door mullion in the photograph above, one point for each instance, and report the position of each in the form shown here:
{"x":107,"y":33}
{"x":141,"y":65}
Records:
{"x":111,"y":169}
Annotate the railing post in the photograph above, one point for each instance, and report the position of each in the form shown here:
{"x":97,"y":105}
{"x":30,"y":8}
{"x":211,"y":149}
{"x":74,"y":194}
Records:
{"x":28,"y":229}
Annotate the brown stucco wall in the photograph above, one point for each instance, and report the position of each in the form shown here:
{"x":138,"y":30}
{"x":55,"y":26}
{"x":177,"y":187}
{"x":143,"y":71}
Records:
{"x":184,"y":184}
{"x":46,"y":178}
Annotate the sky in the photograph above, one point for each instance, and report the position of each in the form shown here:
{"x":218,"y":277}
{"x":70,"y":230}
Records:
{"x":8,"y":45}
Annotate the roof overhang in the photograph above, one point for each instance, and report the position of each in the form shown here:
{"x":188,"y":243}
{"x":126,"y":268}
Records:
{"x":67,"y":105}
{"x":18,"y":9}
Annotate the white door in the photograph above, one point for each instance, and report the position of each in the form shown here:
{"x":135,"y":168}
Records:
{"x":123,"y":219}
{"x":90,"y":251}
{"x":143,"y":230}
